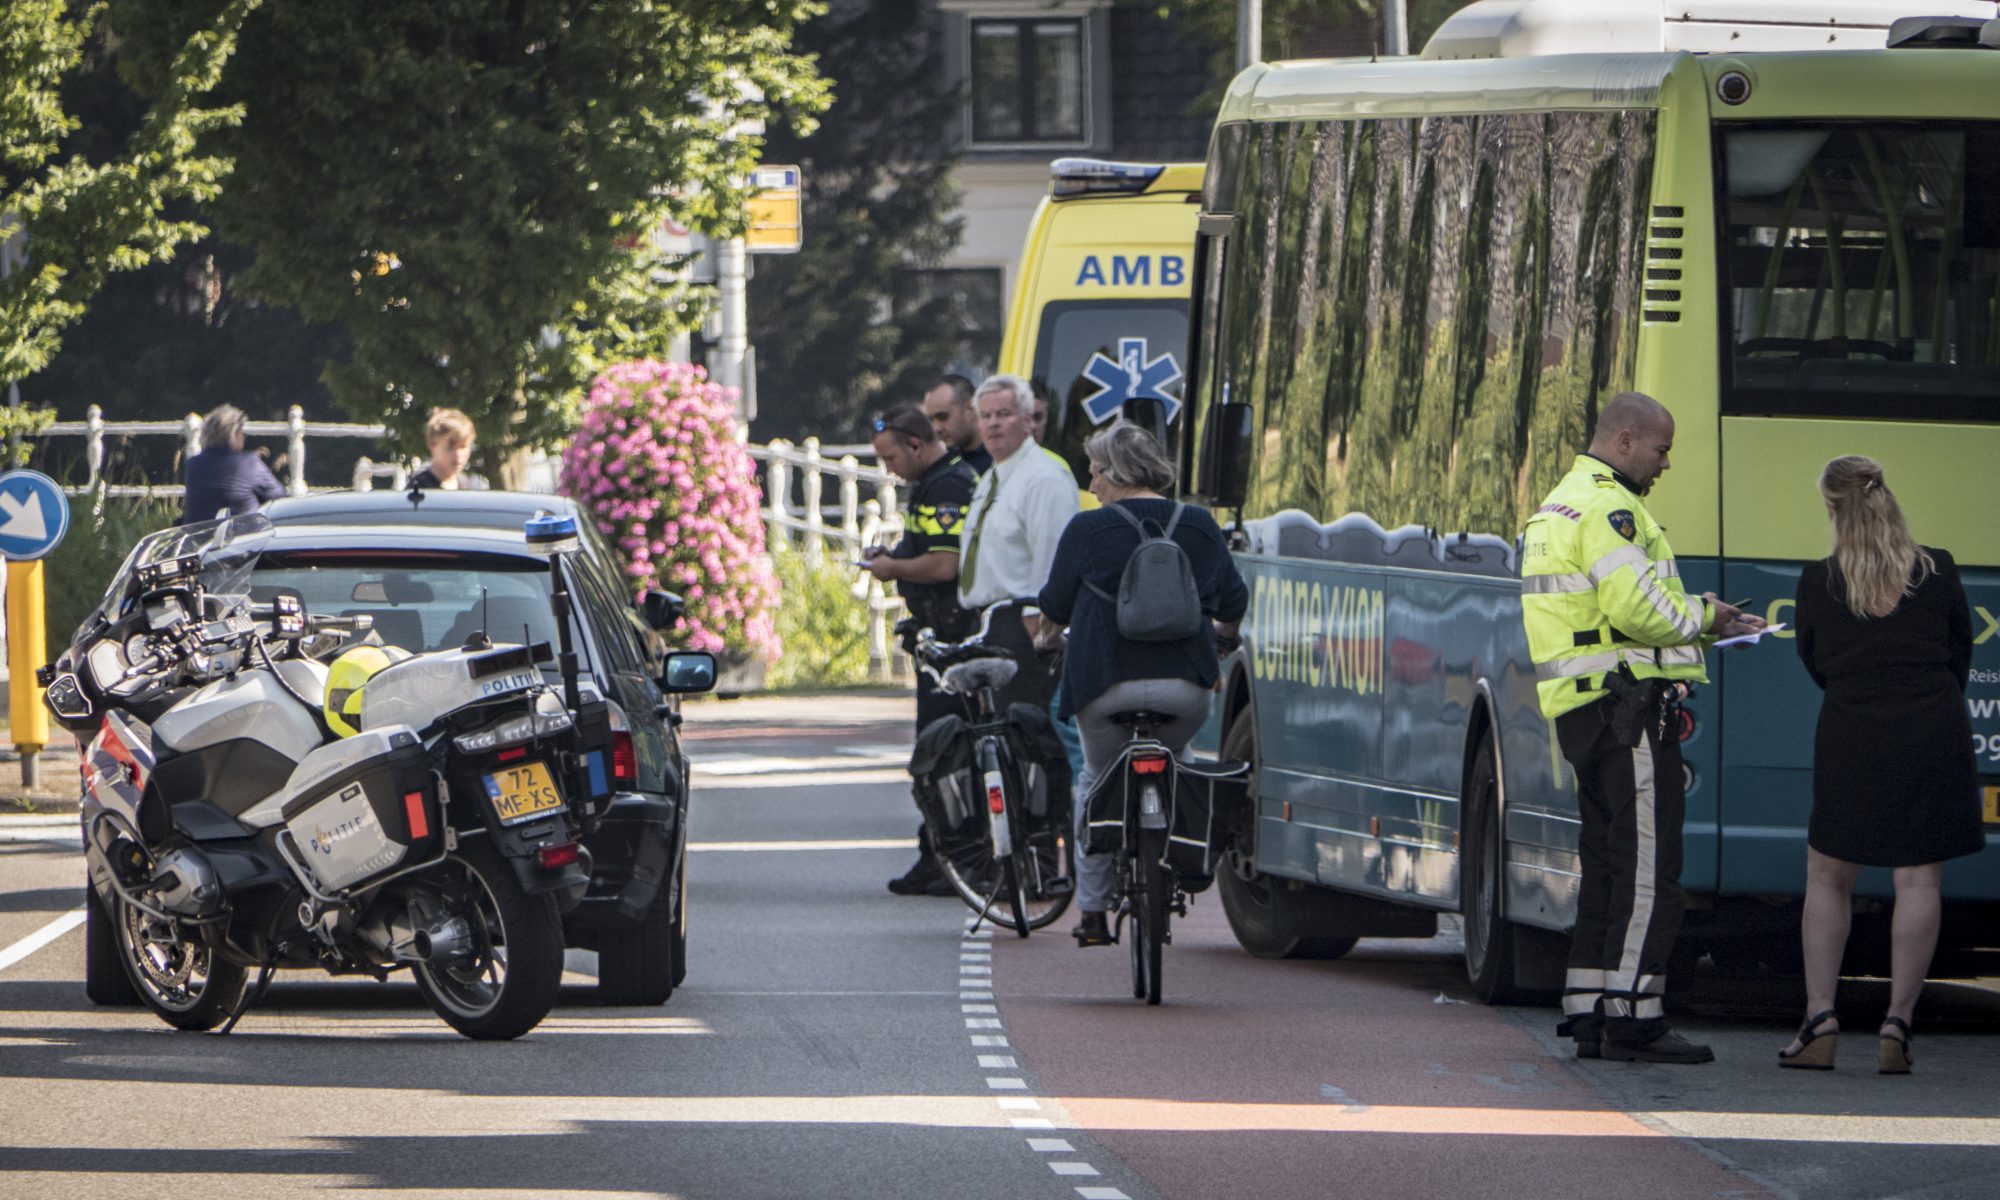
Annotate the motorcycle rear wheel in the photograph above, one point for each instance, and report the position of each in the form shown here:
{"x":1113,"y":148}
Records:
{"x":509,"y":980}
{"x":180,"y":979}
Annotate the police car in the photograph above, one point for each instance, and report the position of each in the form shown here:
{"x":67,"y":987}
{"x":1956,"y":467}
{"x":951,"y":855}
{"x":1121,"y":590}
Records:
{"x":433,"y":572}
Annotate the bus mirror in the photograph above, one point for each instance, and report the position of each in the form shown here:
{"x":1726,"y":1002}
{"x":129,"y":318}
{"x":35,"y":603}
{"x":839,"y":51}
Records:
{"x":1149,"y":414}
{"x":1227,"y":450}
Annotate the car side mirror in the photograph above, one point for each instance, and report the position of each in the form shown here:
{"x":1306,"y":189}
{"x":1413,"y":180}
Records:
{"x":688,"y":671}
{"x":662,"y":610}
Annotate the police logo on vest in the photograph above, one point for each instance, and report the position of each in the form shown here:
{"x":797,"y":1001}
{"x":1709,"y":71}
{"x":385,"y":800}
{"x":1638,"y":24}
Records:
{"x":1622,"y":522}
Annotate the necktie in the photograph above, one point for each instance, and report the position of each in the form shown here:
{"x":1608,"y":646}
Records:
{"x":971,"y":563}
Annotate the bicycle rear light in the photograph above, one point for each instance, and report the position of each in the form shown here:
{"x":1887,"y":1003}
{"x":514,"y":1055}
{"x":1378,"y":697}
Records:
{"x":1149,"y":764}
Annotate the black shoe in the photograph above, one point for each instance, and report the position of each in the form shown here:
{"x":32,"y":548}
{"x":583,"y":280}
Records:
{"x":1588,"y":1031}
{"x":1092,"y":930}
{"x":918,"y":879}
{"x":940,"y":886}
{"x":1666,"y":1048}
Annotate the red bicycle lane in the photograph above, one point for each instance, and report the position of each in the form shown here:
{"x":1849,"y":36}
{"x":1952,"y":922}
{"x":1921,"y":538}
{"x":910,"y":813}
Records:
{"x":1304,"y":1079}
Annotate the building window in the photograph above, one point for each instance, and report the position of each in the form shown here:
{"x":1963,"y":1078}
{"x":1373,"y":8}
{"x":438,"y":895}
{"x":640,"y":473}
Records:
{"x":971,"y":298}
{"x":1027,"y":81}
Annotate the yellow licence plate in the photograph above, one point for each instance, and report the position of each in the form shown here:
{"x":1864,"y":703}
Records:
{"x":1993,"y":806}
{"x":519,"y":793}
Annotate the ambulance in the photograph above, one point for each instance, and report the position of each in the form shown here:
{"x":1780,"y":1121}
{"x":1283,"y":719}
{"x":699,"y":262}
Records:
{"x":1100,"y":309}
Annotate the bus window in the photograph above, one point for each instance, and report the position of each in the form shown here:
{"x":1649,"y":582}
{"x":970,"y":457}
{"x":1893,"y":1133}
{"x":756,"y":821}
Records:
{"x":1860,"y":268}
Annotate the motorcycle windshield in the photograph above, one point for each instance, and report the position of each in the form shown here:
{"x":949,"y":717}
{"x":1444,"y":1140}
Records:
{"x":227,"y":548}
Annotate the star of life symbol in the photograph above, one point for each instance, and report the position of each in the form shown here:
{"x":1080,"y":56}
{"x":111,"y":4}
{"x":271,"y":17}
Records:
{"x":1131,"y":376}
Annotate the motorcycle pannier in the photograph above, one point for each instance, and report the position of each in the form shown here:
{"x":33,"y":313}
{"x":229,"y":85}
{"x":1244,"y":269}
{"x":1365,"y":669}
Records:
{"x":1200,"y":793}
{"x":363,"y":807}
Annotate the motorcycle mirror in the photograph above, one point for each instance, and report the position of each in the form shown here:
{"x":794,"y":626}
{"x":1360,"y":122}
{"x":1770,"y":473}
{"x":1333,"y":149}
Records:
{"x":688,"y":671}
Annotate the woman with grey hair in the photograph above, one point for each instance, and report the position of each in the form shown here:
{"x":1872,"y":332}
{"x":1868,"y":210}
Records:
{"x":225,"y":480}
{"x":1105,"y":672}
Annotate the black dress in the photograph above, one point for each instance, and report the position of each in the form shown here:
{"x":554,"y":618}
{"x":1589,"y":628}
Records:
{"x":1894,"y":780}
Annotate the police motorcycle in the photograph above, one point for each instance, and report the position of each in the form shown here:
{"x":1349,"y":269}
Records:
{"x":248,"y":805}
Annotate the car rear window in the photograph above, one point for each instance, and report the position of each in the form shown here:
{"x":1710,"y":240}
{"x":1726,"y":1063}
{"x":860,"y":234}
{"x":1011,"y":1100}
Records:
{"x":419,"y":601}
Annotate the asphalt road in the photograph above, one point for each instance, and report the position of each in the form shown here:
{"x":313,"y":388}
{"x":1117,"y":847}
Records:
{"x":834,"y":1041}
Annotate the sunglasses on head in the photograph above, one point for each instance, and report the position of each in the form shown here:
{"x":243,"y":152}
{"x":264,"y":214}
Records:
{"x":883,"y":425}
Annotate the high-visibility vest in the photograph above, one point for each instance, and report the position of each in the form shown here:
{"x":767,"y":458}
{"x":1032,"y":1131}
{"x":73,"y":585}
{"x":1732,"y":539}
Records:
{"x":1600,"y":589}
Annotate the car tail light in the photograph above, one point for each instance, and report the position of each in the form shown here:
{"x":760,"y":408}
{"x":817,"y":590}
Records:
{"x":562,"y":854}
{"x":624,"y":755}
{"x":1149,"y":764}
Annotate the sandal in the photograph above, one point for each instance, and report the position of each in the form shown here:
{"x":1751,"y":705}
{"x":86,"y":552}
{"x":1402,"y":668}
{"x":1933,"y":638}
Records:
{"x":1815,"y":1052}
{"x":1892,"y":1052}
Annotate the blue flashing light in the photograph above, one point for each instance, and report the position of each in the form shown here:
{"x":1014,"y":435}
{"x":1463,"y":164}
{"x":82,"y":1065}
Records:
{"x":1071,"y":177}
{"x":551,"y":534}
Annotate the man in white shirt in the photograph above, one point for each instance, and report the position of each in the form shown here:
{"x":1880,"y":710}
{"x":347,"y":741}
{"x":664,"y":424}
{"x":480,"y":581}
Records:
{"x":1020,"y":507}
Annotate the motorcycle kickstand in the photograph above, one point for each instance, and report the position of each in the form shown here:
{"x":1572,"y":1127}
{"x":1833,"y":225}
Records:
{"x":251,"y":995}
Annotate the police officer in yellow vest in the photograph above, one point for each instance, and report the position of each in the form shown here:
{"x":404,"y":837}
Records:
{"x":1617,"y":643}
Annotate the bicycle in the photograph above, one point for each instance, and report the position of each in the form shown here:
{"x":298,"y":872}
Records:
{"x":1012,"y":854}
{"x":1148,"y":890}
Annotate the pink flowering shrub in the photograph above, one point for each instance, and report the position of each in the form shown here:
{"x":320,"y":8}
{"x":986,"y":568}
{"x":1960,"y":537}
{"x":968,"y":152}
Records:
{"x":656,"y":462}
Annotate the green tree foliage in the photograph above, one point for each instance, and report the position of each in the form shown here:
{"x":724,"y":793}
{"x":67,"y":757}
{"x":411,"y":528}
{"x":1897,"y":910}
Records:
{"x":878,"y":198}
{"x":468,"y":186}
{"x":85,"y":219}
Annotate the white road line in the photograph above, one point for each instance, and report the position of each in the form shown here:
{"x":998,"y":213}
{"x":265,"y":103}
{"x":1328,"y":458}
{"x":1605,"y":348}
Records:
{"x":1050,"y":1146}
{"x":989,"y":1041}
{"x":1101,"y":1193}
{"x":49,"y":835}
{"x":41,"y":937}
{"x":831,"y":844}
{"x":982,"y":1023}
{"x":1073,"y":1168}
{"x":1032,"y":1123}
{"x":1007,"y":1083}
{"x":984,"y":1009}
{"x":998,"y":1062}
{"x":1026,"y":1102}
{"x":799,"y":780}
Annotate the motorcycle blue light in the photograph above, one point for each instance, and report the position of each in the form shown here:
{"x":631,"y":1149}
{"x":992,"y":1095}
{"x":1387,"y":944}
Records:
{"x":549,"y":534}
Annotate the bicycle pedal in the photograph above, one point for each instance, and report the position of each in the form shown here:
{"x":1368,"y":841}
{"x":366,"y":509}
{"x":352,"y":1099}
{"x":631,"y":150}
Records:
{"x":1051,"y":888}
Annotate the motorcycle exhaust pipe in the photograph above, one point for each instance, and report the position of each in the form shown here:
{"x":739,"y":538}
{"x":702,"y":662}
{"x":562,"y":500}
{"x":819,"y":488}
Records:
{"x":443,"y":942}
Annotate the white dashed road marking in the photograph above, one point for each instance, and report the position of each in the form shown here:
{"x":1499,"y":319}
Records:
{"x":46,"y":934}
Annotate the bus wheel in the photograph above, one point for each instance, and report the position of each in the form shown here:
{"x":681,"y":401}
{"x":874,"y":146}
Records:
{"x":1264,"y":911}
{"x":1489,"y":940}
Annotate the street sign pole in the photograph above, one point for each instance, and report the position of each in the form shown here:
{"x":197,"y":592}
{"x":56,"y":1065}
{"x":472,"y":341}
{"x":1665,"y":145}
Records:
{"x":34,"y":516}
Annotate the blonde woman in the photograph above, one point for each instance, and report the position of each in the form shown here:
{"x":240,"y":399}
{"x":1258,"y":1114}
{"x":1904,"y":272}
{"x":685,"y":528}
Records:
{"x":1884,"y":630}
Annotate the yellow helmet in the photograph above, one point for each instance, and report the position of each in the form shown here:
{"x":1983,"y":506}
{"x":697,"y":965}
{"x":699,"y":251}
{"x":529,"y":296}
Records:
{"x":347,"y":675}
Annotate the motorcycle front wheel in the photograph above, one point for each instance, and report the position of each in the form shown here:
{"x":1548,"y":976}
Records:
{"x":506,"y":977}
{"x":176,"y":976}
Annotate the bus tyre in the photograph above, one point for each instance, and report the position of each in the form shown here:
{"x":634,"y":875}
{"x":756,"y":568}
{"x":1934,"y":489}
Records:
{"x":1489,"y":939}
{"x":104,"y":978}
{"x":1264,"y":911}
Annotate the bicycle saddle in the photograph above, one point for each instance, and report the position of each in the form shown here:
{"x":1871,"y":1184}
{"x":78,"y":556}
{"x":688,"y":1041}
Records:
{"x":1140,"y":718}
{"x":980,"y":673}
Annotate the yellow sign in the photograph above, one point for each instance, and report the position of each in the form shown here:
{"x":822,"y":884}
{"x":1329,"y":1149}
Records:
{"x":776,"y":223}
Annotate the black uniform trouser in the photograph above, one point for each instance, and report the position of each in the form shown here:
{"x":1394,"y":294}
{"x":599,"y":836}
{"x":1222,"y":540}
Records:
{"x":1628,"y":908}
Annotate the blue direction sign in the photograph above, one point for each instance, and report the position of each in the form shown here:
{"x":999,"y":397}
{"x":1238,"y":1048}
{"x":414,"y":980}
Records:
{"x":34,"y":515}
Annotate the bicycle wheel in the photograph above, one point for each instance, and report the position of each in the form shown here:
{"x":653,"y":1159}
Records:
{"x":1156,"y":891}
{"x":1042,"y":859}
{"x":1134,"y":902}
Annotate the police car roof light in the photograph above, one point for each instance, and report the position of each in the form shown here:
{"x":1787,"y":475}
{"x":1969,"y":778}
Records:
{"x":1070,"y":177}
{"x":551,"y":534}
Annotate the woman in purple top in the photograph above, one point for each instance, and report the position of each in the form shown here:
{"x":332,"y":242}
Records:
{"x":225,"y":479}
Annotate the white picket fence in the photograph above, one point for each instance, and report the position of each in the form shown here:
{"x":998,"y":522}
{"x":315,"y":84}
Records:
{"x":295,"y":429}
{"x":807,"y":523}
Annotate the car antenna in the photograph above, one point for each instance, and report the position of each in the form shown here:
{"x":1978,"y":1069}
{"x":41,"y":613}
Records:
{"x":479,"y":640}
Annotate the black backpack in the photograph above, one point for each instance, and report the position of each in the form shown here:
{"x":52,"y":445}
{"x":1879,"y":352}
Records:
{"x":1157,"y":599}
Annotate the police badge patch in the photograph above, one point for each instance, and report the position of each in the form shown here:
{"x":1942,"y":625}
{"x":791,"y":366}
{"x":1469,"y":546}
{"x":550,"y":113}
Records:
{"x":950,"y":517}
{"x":1622,"y":521}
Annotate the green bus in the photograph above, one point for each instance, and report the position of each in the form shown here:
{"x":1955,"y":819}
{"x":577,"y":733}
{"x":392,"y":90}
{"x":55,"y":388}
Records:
{"x":1415,"y":282}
